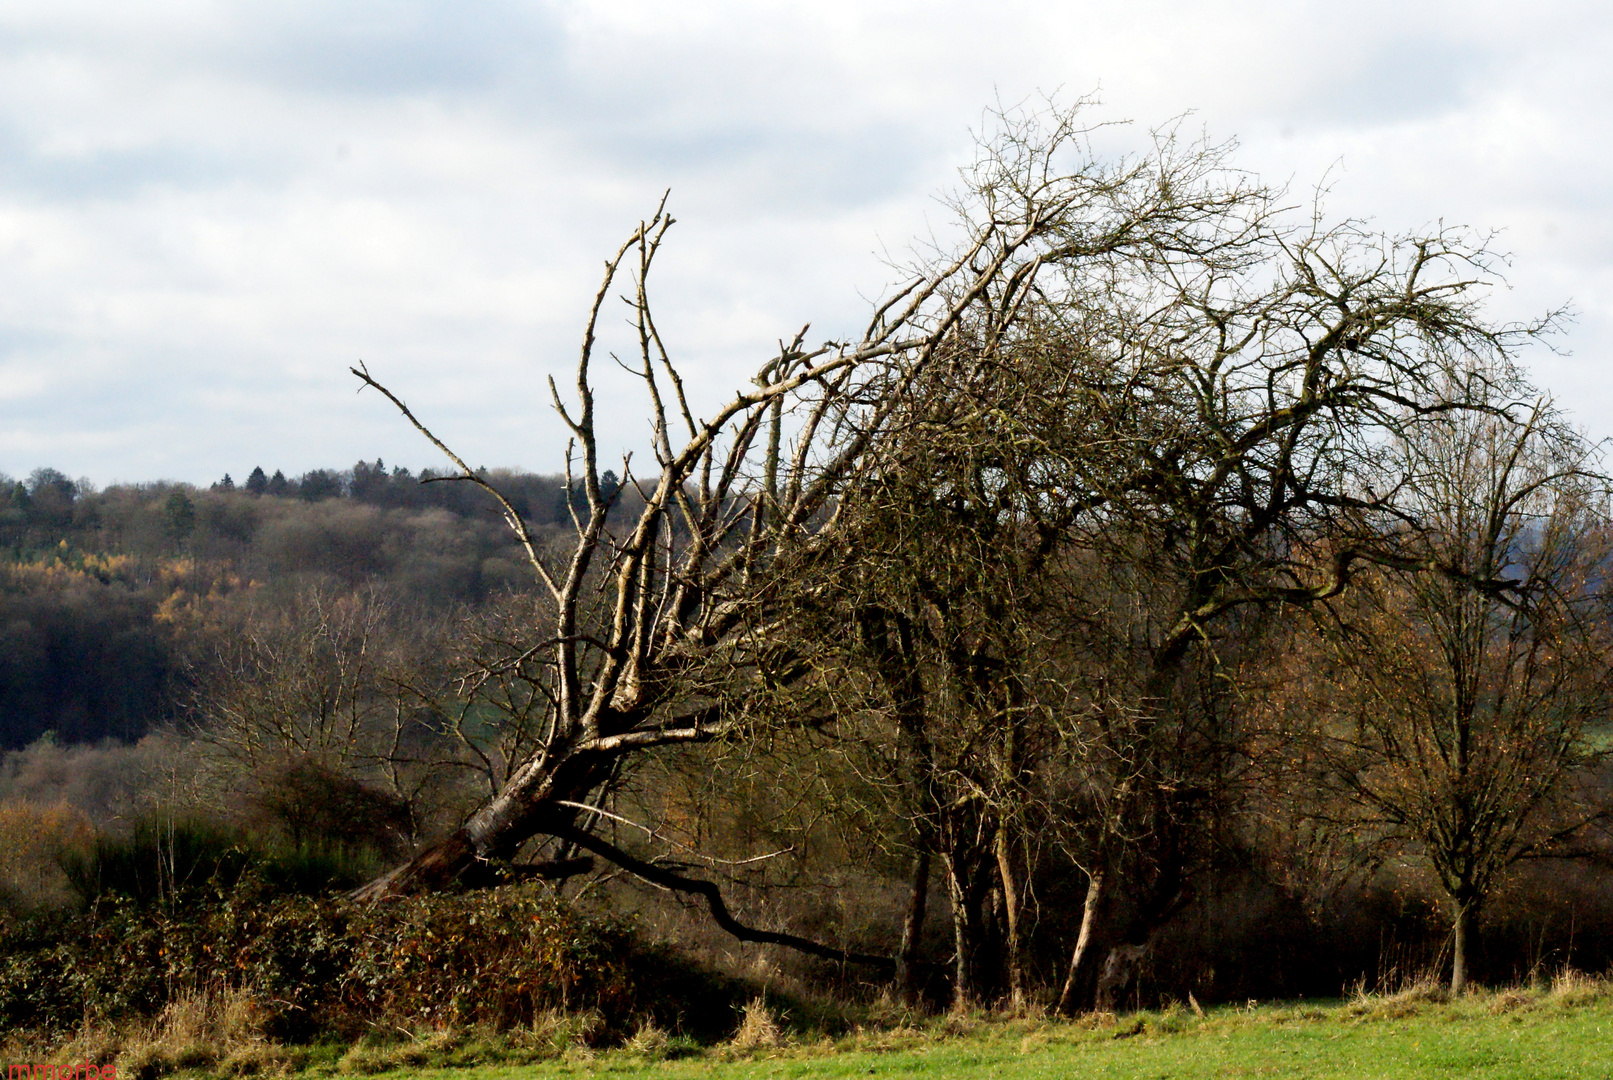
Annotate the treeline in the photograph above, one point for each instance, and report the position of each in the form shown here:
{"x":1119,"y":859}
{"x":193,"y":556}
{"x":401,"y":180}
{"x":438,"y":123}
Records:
{"x":155,"y":519}
{"x":92,"y":581}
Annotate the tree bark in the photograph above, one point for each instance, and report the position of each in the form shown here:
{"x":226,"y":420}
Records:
{"x":1119,"y":975}
{"x":907,"y":975}
{"x":962,"y":939}
{"x":529,"y":805}
{"x":1013,"y":960}
{"x":1459,"y":931}
{"x":1083,"y":941}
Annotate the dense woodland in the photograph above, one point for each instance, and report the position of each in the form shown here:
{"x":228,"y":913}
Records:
{"x":97,"y":582}
{"x":1170,"y":593}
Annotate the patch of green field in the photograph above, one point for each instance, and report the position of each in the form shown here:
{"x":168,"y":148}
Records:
{"x":1562,"y":1031}
{"x":1517,"y":1036}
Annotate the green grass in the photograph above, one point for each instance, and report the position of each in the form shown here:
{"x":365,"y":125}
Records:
{"x":1566,"y":1032}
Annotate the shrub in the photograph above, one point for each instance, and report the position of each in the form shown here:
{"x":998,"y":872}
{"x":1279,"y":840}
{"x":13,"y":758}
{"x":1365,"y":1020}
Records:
{"x":33,"y":841}
{"x":498,"y":958}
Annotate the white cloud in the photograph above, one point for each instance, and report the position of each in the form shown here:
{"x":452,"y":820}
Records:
{"x":208,"y":210}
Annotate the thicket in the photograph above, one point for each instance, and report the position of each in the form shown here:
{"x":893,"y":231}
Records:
{"x":183,"y":909}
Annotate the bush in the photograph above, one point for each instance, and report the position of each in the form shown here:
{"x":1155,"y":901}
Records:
{"x":497,"y":958}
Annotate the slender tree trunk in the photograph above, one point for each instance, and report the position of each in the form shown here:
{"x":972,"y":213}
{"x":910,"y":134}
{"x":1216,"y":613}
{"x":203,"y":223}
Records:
{"x":913,"y":930}
{"x":1014,"y":961}
{"x":1083,"y":941}
{"x":1464,"y":914}
{"x":962,"y":938}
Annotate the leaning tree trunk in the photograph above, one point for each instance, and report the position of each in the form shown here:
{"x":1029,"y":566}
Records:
{"x":532,"y":803}
{"x":1083,"y":941}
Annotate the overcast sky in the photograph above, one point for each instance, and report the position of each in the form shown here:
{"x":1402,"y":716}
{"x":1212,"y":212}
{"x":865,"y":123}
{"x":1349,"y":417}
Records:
{"x":208,"y":211}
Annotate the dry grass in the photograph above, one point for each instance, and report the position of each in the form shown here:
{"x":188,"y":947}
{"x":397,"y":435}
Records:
{"x":759,"y":1029}
{"x":1409,"y":1000}
{"x":416,"y":1052}
{"x":220,"y":1030}
{"x":649,"y":1041}
{"x":220,"y":1034}
{"x":201,"y":1029}
{"x":1514,"y":1000}
{"x":552,"y":1035}
{"x":1570,"y":987}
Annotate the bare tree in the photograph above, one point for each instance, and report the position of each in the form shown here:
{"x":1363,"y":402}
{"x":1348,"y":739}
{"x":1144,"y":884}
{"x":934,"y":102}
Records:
{"x":320,"y":696}
{"x":1458,"y":729}
{"x":1225,"y":447}
{"x":1182,"y":444}
{"x":304,"y":680}
{"x":682,"y":641}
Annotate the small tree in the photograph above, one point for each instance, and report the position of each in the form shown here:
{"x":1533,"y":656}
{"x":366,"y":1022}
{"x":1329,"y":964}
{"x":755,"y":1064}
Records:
{"x":178,"y":515}
{"x":315,"y":706}
{"x":1458,"y":727}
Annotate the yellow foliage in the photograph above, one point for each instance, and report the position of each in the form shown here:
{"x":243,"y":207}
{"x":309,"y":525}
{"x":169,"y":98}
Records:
{"x":32,"y":837}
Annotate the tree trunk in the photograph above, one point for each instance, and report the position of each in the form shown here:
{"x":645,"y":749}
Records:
{"x":1459,"y":931}
{"x":1083,"y":941}
{"x":962,"y":938}
{"x":1118,"y":976}
{"x":907,"y":976}
{"x":1013,"y":959}
{"x":530,"y":804}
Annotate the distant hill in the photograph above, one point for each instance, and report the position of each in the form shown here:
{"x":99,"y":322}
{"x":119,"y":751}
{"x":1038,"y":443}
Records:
{"x":91,"y":580}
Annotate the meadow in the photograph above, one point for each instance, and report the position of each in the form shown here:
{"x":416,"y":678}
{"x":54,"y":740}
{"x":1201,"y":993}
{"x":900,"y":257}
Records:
{"x":1557,"y":1029}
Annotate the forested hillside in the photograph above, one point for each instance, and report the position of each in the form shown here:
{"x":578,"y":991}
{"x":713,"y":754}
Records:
{"x":99,"y":589}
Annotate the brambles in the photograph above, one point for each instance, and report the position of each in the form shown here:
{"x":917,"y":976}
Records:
{"x":499,"y":958}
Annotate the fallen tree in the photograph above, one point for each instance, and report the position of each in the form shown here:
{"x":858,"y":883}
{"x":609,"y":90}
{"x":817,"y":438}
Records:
{"x":682,"y":643}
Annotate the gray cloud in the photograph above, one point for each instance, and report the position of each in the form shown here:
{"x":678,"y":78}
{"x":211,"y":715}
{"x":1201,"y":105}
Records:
{"x":208,"y":210}
{"x":384,"y":49}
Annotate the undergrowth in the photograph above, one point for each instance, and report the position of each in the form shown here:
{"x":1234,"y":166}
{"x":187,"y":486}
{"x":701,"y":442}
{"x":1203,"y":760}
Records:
{"x":223,"y":1033}
{"x":309,"y":968}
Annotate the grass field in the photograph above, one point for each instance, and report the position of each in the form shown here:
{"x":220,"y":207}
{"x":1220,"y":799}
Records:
{"x":1578,"y":1045}
{"x":1564,"y":1030}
